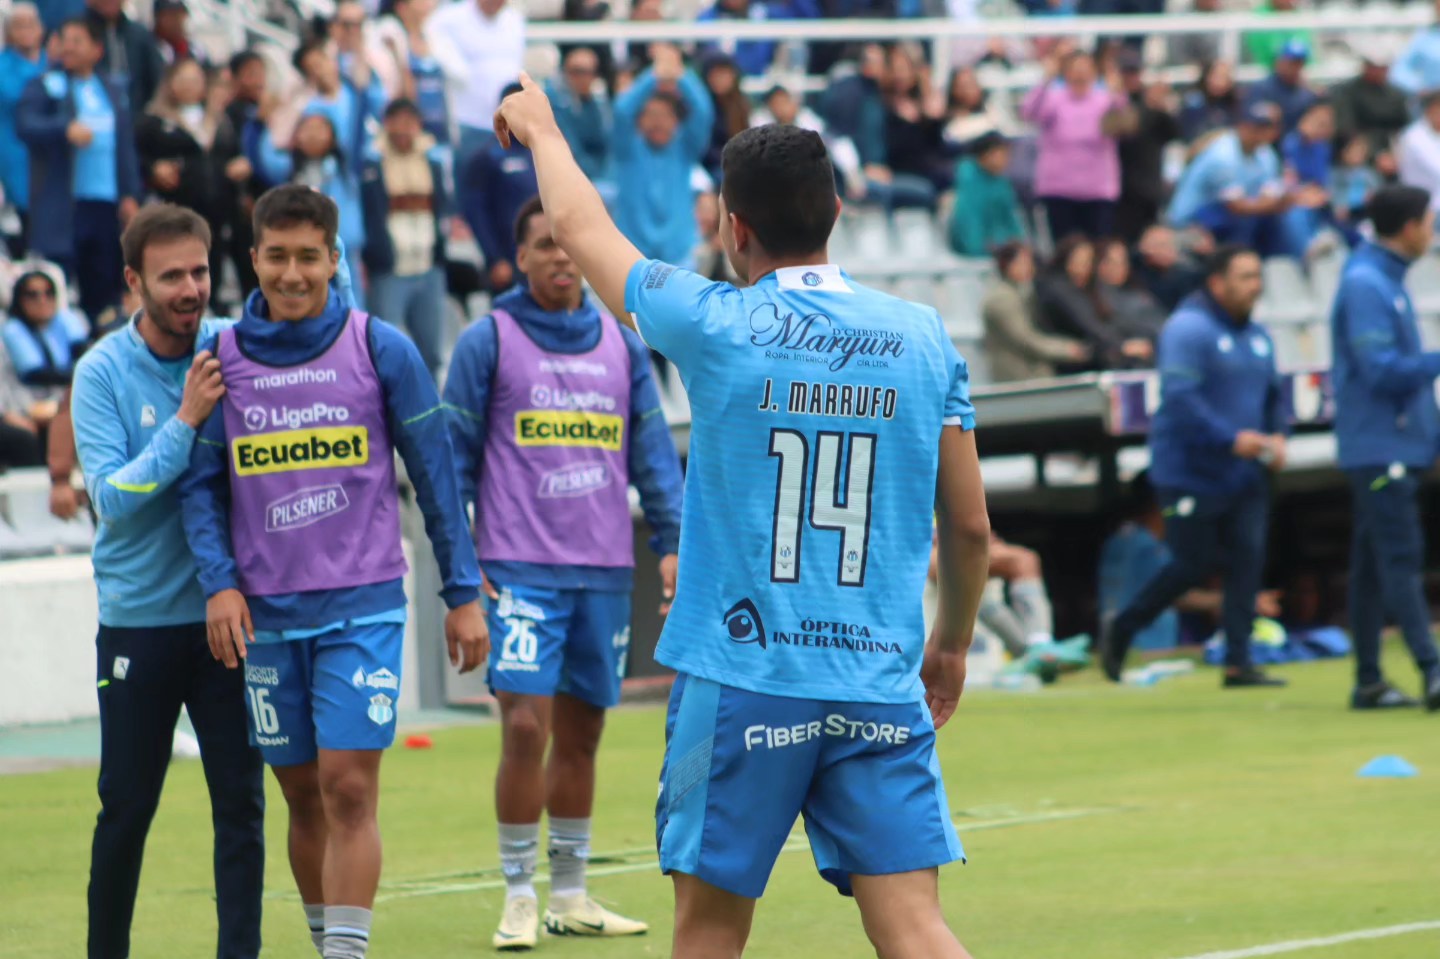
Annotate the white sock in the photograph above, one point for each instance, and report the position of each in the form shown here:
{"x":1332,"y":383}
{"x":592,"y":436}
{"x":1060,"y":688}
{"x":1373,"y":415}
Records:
{"x":315,"y":919}
{"x":1032,"y":602}
{"x":569,"y":849}
{"x":347,"y":932}
{"x":519,"y":849}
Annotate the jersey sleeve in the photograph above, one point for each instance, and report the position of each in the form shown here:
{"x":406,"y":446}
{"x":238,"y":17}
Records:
{"x":959,"y":411}
{"x":674,"y":309}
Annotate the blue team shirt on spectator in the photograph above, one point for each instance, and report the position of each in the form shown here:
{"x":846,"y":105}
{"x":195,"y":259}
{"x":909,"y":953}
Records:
{"x":1223,"y":172}
{"x":53,"y":348}
{"x":818,"y":406}
{"x":95,"y":177}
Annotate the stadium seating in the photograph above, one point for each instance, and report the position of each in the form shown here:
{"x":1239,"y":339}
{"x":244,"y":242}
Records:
{"x":26,"y":526}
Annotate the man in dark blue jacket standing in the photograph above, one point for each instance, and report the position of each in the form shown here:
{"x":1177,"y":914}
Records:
{"x":1387,"y":427}
{"x":1221,"y":423}
{"x":85,"y":177}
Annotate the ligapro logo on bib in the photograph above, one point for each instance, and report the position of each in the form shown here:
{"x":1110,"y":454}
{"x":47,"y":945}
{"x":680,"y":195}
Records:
{"x":255,"y":418}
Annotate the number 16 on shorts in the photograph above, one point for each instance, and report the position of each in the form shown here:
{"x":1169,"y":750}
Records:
{"x":261,"y":683}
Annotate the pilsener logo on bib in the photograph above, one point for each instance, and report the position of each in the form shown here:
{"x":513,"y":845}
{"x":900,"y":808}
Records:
{"x":604,"y":431}
{"x":285,"y":452}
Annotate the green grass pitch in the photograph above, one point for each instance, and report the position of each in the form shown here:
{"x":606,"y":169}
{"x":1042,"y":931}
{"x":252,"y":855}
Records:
{"x":1105,"y":823}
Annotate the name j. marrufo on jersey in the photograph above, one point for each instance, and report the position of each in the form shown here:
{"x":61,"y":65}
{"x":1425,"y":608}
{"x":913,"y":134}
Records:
{"x":817,"y":398}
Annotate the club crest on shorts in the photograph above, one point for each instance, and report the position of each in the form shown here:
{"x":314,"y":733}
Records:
{"x":382,"y":709}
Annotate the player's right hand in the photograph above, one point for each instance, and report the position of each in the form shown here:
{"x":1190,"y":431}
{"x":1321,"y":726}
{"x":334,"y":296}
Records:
{"x":228,"y":626}
{"x":1250,"y":444}
{"x":468,"y":636}
{"x":943,"y":673}
{"x":203,"y":389}
{"x":524,"y":114}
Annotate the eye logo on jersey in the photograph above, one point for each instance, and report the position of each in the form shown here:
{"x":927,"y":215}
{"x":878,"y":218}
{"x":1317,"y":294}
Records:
{"x":604,"y":431}
{"x":743,"y":623}
{"x":811,"y":279}
{"x":291,"y":450}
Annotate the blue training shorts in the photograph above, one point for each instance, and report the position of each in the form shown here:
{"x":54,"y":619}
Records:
{"x":546,"y":641}
{"x":740,"y":766}
{"x":337,"y":690}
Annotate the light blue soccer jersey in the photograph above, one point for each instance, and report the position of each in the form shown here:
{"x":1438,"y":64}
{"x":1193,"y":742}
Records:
{"x":817,"y":409}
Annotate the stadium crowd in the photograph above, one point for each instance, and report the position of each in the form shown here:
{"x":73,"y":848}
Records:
{"x":1095,"y":192}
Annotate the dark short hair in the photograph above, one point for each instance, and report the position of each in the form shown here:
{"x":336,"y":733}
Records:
{"x":294,"y":205}
{"x":528,"y":212}
{"x":401,"y":105}
{"x":243,"y":59}
{"x":1392,"y":207}
{"x":1226,"y":253}
{"x":780,"y":181}
{"x":304,"y":50}
{"x":672,"y":100}
{"x":990,"y":140}
{"x":17,"y":297}
{"x":91,"y":28}
{"x":1006,"y":254}
{"x":160,"y":223}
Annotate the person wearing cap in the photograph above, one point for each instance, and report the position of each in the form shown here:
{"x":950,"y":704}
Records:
{"x":1369,"y":105}
{"x":490,"y":188}
{"x":1142,"y":148}
{"x":172,"y":22}
{"x":1235,"y":189}
{"x":1387,"y":428}
{"x":986,"y":213}
{"x":1285,"y":86}
{"x":1264,"y":46}
{"x":1417,"y":153}
{"x":1417,"y":69}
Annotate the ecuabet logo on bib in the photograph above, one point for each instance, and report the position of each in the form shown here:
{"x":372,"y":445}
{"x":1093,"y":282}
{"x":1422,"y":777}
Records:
{"x":284,"y":452}
{"x":604,"y":431}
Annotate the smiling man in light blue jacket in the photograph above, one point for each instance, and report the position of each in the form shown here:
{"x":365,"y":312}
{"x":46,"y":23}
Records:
{"x":139,"y":397}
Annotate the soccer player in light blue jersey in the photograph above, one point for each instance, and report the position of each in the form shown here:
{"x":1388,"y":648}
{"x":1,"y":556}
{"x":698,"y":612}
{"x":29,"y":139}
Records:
{"x":828,"y":418}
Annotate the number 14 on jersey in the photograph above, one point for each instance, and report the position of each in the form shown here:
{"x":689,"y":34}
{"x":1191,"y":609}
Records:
{"x":831,"y":505}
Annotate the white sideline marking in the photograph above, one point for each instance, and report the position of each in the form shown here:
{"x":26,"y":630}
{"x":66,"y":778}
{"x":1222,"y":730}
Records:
{"x":1296,"y":945}
{"x":795,"y":843}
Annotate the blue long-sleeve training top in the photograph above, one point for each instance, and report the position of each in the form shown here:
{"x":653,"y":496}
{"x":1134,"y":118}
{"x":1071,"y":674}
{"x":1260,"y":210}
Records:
{"x":1384,"y":379}
{"x":133,"y":448}
{"x":658,"y":214}
{"x":1217,"y":377}
{"x":418,"y":430}
{"x":653,"y":465}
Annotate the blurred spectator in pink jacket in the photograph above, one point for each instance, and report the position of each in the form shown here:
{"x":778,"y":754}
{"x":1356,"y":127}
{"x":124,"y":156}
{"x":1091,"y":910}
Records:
{"x":1077,"y":173}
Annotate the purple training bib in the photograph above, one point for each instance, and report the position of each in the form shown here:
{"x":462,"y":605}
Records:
{"x":312,"y":471}
{"x":554,"y":488}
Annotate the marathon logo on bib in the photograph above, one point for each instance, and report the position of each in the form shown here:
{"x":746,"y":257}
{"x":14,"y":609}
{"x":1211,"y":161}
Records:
{"x":286,"y":452}
{"x":604,"y":431}
{"x":304,"y":507}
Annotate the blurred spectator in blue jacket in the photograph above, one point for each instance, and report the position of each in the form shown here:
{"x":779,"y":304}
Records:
{"x":43,"y":340}
{"x":753,"y":57}
{"x":582,"y":111}
{"x":1214,"y":103}
{"x":22,"y":59}
{"x":1285,"y":86}
{"x":986,"y":213}
{"x":491,"y":188}
{"x":1418,"y":68}
{"x":662,"y":128}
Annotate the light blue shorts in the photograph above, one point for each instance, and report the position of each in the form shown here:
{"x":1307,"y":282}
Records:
{"x":741,"y":766}
{"x":338,"y":690}
{"x":546,"y":641}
